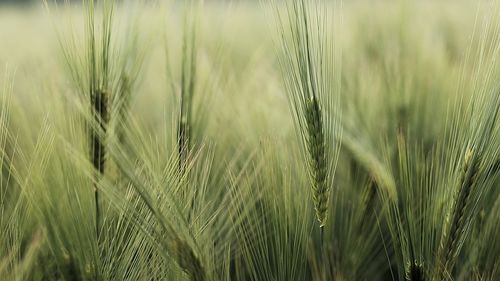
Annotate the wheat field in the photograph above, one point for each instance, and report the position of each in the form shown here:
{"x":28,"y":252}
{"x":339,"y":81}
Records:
{"x":250,"y":140}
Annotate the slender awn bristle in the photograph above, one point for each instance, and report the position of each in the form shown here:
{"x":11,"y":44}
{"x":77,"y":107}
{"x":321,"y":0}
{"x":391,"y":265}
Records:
{"x":369,"y":202}
{"x":124,"y":106}
{"x":493,"y":168}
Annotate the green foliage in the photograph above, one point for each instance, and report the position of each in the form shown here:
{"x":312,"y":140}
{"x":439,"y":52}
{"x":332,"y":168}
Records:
{"x":214,"y":157}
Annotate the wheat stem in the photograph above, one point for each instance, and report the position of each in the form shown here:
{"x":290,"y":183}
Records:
{"x":183,"y":144}
{"x":100,"y":113}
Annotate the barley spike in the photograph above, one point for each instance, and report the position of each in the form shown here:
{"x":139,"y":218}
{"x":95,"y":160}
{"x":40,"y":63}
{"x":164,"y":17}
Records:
{"x":318,"y":164}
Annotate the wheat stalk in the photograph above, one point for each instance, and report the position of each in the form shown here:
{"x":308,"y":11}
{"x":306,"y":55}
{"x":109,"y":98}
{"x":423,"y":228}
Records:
{"x":100,"y":112}
{"x":187,"y":87}
{"x":183,"y":143}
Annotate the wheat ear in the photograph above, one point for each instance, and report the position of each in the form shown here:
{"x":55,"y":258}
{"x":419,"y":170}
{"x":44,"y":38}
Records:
{"x":451,"y":239}
{"x":317,"y":154}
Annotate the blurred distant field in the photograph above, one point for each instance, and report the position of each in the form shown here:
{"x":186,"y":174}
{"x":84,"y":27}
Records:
{"x":104,"y":176}
{"x":237,"y":40}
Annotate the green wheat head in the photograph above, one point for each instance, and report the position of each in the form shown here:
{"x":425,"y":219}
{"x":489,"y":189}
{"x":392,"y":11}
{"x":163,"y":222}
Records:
{"x":307,"y":59}
{"x":318,"y":161}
